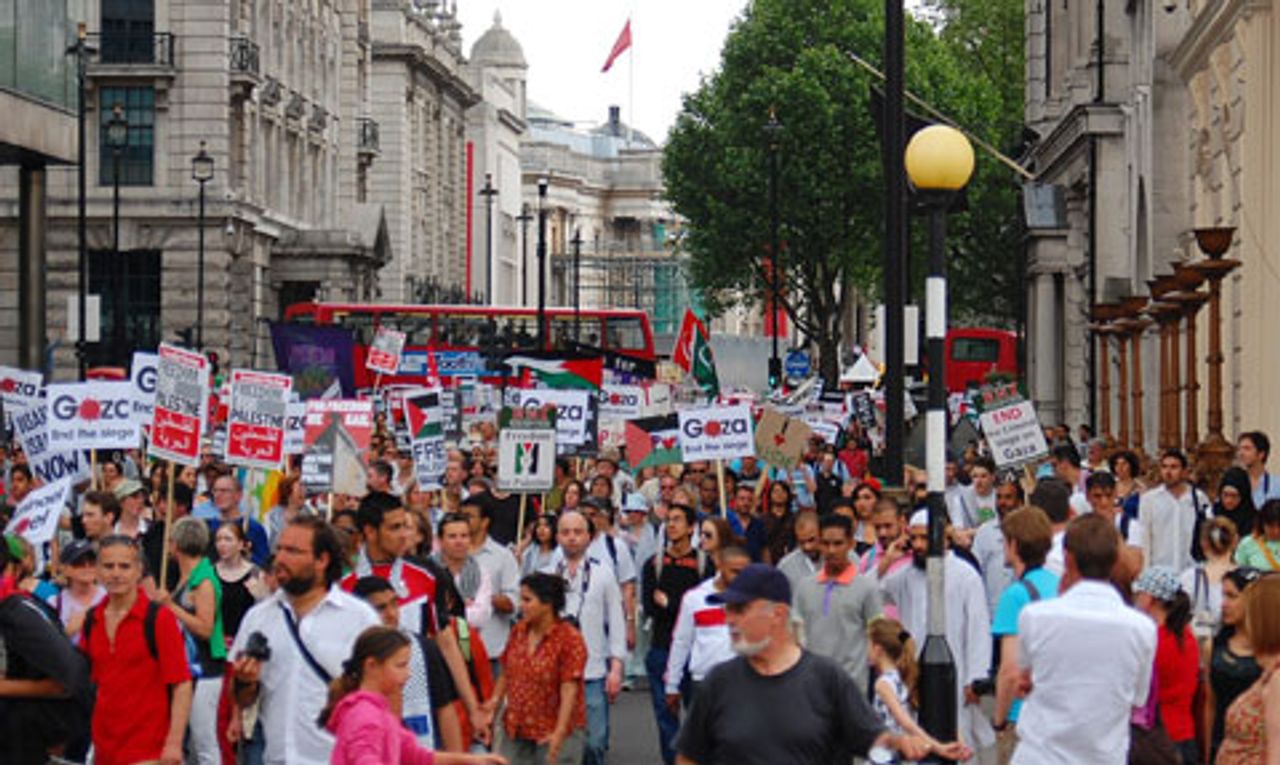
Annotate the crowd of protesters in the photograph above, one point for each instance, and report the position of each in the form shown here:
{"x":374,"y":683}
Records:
{"x":773,"y":615}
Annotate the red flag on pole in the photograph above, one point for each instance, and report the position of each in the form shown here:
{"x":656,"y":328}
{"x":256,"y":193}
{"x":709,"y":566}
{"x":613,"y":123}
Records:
{"x":619,"y":47}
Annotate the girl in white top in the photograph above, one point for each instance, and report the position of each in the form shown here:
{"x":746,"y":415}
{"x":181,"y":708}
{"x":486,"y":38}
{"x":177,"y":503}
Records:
{"x":892,"y":653}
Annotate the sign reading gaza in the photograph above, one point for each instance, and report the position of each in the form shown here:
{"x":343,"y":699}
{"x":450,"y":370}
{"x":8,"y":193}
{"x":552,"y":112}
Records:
{"x":92,"y":415}
{"x":717,"y":432}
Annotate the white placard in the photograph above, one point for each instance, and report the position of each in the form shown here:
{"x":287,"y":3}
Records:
{"x":572,"y":411}
{"x":384,"y":353}
{"x":20,"y":388}
{"x":29,"y":427}
{"x":92,"y":415}
{"x":295,"y":428}
{"x":142,"y":374}
{"x":1014,"y":434}
{"x":717,"y":432}
{"x":526,"y":459}
{"x":37,"y":516}
{"x":181,"y":406}
{"x":622,"y":402}
{"x":256,"y":418}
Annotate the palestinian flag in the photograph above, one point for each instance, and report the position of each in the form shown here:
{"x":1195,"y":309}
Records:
{"x":423,"y":414}
{"x":653,"y":441}
{"x":692,"y":353}
{"x":562,"y":371}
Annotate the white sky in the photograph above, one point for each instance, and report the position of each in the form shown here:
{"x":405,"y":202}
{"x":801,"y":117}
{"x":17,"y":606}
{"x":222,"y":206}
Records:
{"x":566,"y":43}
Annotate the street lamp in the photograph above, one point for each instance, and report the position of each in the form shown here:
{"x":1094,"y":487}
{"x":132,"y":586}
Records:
{"x":81,"y":50}
{"x":577,"y":283}
{"x":524,"y":217}
{"x":488,"y":192}
{"x":773,"y":132}
{"x":543,"y":182}
{"x":117,"y":140}
{"x":939,"y":162}
{"x":201,"y":173}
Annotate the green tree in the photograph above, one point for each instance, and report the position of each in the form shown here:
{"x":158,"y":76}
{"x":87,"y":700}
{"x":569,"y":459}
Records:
{"x":792,"y":57}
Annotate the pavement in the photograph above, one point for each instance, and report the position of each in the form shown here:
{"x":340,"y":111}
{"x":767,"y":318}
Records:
{"x":634,"y":736}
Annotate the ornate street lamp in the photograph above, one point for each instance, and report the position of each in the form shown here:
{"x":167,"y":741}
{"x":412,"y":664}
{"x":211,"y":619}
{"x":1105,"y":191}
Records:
{"x":939,"y":163}
{"x":117,"y":139}
{"x":201,"y":173}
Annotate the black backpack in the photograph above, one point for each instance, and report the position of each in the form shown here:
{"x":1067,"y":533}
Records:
{"x":148,"y":628}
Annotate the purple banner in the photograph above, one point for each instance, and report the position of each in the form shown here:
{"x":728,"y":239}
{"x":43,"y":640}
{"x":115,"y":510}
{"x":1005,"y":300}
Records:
{"x":315,"y":357}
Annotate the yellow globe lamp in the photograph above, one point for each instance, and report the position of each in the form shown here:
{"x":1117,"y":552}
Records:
{"x":939,"y":158}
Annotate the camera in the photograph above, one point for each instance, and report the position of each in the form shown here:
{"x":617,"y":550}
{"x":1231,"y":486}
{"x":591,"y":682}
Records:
{"x":984,"y":687}
{"x":257,"y":647}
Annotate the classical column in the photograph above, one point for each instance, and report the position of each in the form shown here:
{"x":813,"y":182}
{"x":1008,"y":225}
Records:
{"x":1103,"y":314}
{"x":1214,"y":453}
{"x":1156,"y":311}
{"x":1122,"y":335}
{"x":1136,"y":325}
{"x":1168,"y":315}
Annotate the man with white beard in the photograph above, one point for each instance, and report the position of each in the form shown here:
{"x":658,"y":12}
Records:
{"x":786,"y":688}
{"x":968,"y":623}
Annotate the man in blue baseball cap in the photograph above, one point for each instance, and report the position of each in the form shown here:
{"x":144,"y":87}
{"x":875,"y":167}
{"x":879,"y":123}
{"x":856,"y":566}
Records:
{"x":800,"y":708}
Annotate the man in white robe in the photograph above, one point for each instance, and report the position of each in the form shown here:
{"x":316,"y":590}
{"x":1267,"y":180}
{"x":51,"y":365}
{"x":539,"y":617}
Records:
{"x":968,"y":625}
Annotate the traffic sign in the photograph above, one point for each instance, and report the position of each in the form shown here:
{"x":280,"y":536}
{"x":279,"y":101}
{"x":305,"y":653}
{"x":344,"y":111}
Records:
{"x":798,"y":364}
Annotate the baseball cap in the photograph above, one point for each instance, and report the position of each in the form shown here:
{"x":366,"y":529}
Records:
{"x":127,"y":488}
{"x":755,"y":582}
{"x":1160,"y":582}
{"x":77,"y":551}
{"x":635,"y":503}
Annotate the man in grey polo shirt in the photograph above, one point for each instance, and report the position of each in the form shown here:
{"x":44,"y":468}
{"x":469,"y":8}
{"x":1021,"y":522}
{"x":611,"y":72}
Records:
{"x":594,"y":601}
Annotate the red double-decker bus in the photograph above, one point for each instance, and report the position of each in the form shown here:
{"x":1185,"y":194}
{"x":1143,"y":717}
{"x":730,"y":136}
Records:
{"x":453,"y":333}
{"x":975,"y":352}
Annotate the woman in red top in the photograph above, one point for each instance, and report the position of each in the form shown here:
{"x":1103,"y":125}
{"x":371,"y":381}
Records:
{"x":542,"y":680}
{"x":1158,"y":594}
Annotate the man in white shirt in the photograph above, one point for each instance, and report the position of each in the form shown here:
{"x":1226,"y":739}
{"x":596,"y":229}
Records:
{"x":503,"y":576}
{"x":1087,"y":658}
{"x":701,"y":637}
{"x":1168,"y":515}
{"x":988,"y":544}
{"x":310,"y":625}
{"x":1053,"y":496}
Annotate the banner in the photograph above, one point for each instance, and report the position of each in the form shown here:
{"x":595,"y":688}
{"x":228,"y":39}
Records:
{"x":653,"y":441}
{"x":142,"y":374}
{"x":622,"y":402}
{"x":573,"y":411}
{"x":384,"y":354}
{"x":317,"y":358}
{"x":29,"y":427}
{"x":36,"y":517}
{"x":337,"y":439}
{"x":92,"y":415}
{"x":295,"y":428}
{"x":19,"y":388}
{"x":780,"y":440}
{"x":425,"y":418}
{"x":526,"y":449}
{"x":716,"y":432}
{"x":181,"y":405}
{"x":256,"y":422}
{"x":1014,"y":434}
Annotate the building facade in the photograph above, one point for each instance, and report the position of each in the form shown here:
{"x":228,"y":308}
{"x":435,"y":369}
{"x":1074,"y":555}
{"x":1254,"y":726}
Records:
{"x":275,"y":92}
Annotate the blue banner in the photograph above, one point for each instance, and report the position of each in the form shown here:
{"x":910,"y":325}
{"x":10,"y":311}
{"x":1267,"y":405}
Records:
{"x":315,"y":357}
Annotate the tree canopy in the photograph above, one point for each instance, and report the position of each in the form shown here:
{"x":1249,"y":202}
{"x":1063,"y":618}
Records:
{"x":792,"y":57}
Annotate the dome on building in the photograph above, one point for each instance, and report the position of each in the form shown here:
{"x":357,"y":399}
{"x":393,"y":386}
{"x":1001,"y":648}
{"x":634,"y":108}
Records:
{"x":498,"y":47}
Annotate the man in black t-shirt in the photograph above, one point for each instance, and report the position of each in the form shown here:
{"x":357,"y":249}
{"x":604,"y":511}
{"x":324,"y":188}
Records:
{"x":799,"y":708}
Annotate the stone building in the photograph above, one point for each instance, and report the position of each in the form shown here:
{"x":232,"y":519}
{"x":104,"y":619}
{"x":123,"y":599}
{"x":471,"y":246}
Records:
{"x":277,"y":93}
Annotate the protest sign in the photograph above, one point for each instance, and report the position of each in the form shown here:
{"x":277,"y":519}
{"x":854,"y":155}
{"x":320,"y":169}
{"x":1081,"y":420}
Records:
{"x":863,"y":408}
{"x":384,"y":353}
{"x":336,"y":439}
{"x":716,"y":432}
{"x":425,"y":418}
{"x":828,"y":431}
{"x":781,"y":440}
{"x":142,"y":373}
{"x":526,"y":449}
{"x":47,"y":464}
{"x":621,"y":402}
{"x":37,"y":515}
{"x":658,"y":400}
{"x":1014,"y":434}
{"x":573,"y":411}
{"x":92,"y":415}
{"x":19,"y":388}
{"x":611,"y":434}
{"x":256,"y":422}
{"x":295,"y":428}
{"x":181,"y":405}
{"x":653,"y":441}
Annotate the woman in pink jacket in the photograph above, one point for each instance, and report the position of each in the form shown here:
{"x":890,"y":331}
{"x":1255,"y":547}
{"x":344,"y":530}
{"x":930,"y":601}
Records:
{"x":362,"y":702}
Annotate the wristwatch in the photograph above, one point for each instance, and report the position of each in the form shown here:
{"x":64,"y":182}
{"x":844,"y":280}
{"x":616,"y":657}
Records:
{"x":1000,"y":727}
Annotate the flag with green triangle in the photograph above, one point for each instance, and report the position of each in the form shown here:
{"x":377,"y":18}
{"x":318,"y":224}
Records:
{"x":693,"y":354}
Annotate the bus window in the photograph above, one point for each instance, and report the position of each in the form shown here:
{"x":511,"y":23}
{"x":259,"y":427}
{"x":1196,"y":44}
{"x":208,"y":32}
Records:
{"x":975,"y":349}
{"x":416,"y":326}
{"x":462,"y":331}
{"x":564,"y":330}
{"x":522,"y":331}
{"x":360,"y":325}
{"x":625,"y":334}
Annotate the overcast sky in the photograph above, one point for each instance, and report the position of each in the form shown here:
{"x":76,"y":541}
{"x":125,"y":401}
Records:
{"x":566,"y":43}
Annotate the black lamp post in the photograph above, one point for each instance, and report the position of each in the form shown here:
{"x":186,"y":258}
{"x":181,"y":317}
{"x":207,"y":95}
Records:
{"x":201,"y":173}
{"x":81,"y":50}
{"x":117,"y":140}
{"x":524,"y":217}
{"x":939,"y":162}
{"x":773,"y":132}
{"x":542,"y":263}
{"x":895,"y":238}
{"x":577,"y":284}
{"x":488,"y":192}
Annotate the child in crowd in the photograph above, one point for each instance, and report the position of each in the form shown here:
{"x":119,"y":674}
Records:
{"x":892,"y":653}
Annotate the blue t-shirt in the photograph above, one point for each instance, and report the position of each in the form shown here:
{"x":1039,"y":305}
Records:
{"x":260,"y":546}
{"x":1014,"y":598}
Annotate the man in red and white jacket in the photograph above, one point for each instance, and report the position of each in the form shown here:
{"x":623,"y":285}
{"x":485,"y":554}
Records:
{"x":701,"y":639}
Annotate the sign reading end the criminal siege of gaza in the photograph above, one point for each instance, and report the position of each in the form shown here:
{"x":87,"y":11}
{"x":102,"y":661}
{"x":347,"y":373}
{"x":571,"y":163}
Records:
{"x":181,"y":405}
{"x":92,"y":415}
{"x":717,"y":432}
{"x":1014,"y":434}
{"x":257,"y":418}
{"x":526,"y":449}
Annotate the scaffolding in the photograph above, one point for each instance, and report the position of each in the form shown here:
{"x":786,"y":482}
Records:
{"x":657,"y":284}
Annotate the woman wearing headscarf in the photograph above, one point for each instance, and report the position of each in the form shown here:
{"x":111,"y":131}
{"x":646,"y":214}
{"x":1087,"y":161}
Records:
{"x":1235,"y":501}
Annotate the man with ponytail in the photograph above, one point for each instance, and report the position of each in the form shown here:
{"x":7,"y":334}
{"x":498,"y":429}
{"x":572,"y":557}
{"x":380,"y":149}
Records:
{"x":310,"y":625}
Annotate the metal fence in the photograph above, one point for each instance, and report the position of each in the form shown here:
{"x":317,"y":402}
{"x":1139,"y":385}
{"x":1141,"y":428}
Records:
{"x":657,"y":285}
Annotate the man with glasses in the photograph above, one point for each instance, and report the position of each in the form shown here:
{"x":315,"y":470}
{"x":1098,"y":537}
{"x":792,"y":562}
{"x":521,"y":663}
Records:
{"x":227,"y":494}
{"x":692,"y":477}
